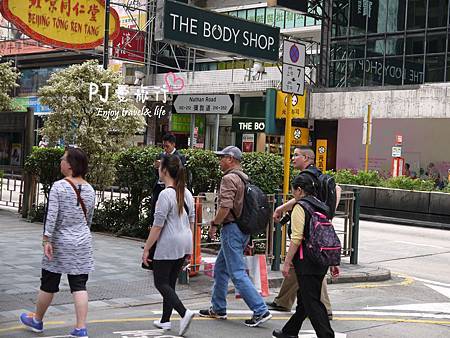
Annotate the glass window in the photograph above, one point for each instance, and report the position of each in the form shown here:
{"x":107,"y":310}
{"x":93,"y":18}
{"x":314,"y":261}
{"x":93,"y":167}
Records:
{"x":377,"y":17}
{"x":393,"y":71}
{"x":416,"y":14}
{"x":356,"y":49}
{"x":448,"y":69}
{"x":251,"y":14}
{"x":434,"y":68}
{"x":340,"y":18}
{"x":359,"y":10}
{"x":437,"y":13}
{"x":310,"y":21}
{"x":415,"y":44}
{"x":299,"y":20}
{"x":260,"y":15}
{"x":394,"y":46}
{"x":414,"y":70}
{"x":34,"y":78}
{"x":375,"y":47}
{"x":242,"y":14}
{"x":234,"y":13}
{"x":338,"y":50}
{"x":270,"y":16}
{"x":374,"y":72}
{"x":396,"y":16}
{"x":436,"y":43}
{"x":355,"y":73}
{"x":289,"y":20}
{"x":337,"y":74}
{"x":279,"y":18}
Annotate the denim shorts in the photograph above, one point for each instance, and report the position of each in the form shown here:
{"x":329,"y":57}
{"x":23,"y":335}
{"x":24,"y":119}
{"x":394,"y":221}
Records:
{"x":50,"y":281}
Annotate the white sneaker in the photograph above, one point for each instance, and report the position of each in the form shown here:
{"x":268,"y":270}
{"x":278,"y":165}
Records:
{"x":164,"y":326}
{"x":186,"y":321}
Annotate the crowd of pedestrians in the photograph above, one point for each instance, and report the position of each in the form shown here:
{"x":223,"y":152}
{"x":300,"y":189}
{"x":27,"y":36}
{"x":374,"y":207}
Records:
{"x":67,"y":244}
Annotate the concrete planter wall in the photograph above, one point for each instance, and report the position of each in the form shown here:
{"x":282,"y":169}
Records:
{"x":417,"y":205}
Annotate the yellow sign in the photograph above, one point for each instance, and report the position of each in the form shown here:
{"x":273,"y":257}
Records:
{"x":321,"y":154}
{"x":300,"y":136}
{"x":77,"y":24}
{"x":298,"y":105}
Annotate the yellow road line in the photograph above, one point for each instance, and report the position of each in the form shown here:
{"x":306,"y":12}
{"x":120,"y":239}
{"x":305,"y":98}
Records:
{"x":19,"y":327}
{"x":407,"y":281}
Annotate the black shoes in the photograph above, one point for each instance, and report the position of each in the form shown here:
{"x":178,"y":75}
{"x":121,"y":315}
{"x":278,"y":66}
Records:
{"x":274,"y":306}
{"x":281,"y":334}
{"x":256,"y":320}
{"x":210,"y":313}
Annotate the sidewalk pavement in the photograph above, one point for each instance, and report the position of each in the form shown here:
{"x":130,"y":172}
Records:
{"x":118,"y":279}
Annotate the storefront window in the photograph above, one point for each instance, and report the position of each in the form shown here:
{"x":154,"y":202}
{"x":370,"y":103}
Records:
{"x":339,"y":50}
{"x":375,"y":47}
{"x":434,"y":68}
{"x":260,"y":15}
{"x":251,"y":14}
{"x":32,"y":79}
{"x":416,"y":14}
{"x":279,"y":18}
{"x":396,"y":16}
{"x":414,"y":70}
{"x":436,"y":43}
{"x":299,"y":20}
{"x":340,"y":17}
{"x":393,"y":71}
{"x":356,"y":49}
{"x":374,"y":72}
{"x":415,"y":44}
{"x":337,"y":78}
{"x":437,"y":13}
{"x":289,"y":20}
{"x":270,"y":16}
{"x":377,"y":18}
{"x":359,"y":10}
{"x":394,"y":46}
{"x":355,"y":73}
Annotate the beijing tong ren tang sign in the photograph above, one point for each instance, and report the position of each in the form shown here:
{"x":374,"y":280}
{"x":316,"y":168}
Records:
{"x":184,"y":24}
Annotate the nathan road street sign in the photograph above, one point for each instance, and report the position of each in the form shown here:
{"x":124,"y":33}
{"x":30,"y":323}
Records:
{"x":192,"y":26}
{"x":293,"y":74}
{"x":203,"y":104}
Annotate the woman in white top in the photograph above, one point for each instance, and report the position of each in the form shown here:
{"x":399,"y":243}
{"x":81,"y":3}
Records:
{"x":172,"y":229}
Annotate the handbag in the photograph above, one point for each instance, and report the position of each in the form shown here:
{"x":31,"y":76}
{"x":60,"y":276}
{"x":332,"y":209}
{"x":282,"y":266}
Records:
{"x":151,"y":251}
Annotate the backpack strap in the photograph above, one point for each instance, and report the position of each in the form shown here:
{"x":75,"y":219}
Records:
{"x":79,"y":199}
{"x":185,"y":205}
{"x":238,"y":173}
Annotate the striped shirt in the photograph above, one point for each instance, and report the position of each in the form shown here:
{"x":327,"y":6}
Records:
{"x":68,"y":230}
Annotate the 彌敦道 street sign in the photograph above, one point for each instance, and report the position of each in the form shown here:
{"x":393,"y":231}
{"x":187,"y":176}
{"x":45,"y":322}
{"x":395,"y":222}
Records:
{"x":293,"y":75}
{"x":203,"y":104}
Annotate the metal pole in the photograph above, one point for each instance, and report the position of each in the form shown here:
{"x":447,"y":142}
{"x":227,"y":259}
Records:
{"x":27,"y":177}
{"x":216,"y":134}
{"x":192,"y":130}
{"x":368,"y":133}
{"x":355,"y":227}
{"x":277,"y":238}
{"x":106,"y":36}
{"x":287,"y":158}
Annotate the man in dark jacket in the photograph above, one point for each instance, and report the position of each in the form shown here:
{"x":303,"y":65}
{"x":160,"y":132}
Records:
{"x":169,"y":142}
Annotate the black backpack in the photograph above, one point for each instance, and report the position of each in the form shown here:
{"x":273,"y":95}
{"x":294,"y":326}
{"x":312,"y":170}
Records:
{"x":326,"y":191}
{"x":255,"y":211}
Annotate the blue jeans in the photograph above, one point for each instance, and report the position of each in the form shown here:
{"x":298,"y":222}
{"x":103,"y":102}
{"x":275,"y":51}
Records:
{"x":230,"y":264}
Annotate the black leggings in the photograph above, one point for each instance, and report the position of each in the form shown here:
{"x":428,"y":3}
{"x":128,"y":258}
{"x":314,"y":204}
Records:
{"x":165,"y":274}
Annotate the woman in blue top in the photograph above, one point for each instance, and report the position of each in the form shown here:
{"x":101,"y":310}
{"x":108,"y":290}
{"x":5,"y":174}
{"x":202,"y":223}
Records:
{"x":172,"y":230}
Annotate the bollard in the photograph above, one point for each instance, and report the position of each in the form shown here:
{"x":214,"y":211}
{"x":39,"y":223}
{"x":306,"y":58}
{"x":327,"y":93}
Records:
{"x":277,"y":239}
{"x":355,"y":227}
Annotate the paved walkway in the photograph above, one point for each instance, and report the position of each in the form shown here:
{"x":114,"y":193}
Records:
{"x":118,"y":280}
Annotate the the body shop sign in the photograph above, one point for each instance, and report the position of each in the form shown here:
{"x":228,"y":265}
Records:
{"x":77,"y":24}
{"x":183,"y":24}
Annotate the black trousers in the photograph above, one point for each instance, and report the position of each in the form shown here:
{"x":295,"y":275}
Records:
{"x":309,"y":305}
{"x":165,"y":274}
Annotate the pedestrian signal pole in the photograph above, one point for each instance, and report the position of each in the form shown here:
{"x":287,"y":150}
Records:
{"x":368,"y":134}
{"x":287,"y":161}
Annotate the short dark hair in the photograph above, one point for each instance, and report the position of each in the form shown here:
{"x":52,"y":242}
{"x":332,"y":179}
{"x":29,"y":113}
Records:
{"x":78,"y":161}
{"x":170,"y":138}
{"x":306,"y":183}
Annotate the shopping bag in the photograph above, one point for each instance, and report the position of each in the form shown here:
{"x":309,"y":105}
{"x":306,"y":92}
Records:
{"x":257,"y":271}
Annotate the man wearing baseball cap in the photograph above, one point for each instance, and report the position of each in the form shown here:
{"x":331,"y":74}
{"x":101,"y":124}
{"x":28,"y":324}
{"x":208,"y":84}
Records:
{"x":230,"y":260}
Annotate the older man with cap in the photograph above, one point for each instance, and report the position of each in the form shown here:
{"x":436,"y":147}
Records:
{"x":230,"y":260}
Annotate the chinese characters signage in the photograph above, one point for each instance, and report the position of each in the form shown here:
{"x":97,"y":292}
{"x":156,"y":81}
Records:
{"x":298,"y":106}
{"x":321,"y":154}
{"x":22,"y":46}
{"x":77,"y":24}
{"x":130,"y":45}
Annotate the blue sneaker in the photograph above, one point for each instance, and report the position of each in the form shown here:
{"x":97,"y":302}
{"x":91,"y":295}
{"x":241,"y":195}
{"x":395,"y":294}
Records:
{"x":80,"y":333}
{"x":33,"y":324}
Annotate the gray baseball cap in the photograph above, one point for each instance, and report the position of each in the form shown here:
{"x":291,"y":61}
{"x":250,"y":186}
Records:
{"x":232,"y":151}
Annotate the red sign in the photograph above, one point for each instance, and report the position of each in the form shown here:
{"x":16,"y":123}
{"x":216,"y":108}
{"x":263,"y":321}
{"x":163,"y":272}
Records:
{"x":398,"y":139}
{"x":22,"y":46}
{"x":129,"y":45}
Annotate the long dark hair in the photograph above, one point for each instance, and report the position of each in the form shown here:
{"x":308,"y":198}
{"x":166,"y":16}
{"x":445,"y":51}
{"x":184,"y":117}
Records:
{"x":172,"y":164}
{"x":306,"y":183}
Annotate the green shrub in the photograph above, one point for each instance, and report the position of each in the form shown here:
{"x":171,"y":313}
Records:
{"x":264,"y":169}
{"x":111,"y":216}
{"x":345,"y":176}
{"x":45,"y":164}
{"x":408,"y":183}
{"x":370,"y":178}
{"x":37,"y":213}
{"x":203,"y":170}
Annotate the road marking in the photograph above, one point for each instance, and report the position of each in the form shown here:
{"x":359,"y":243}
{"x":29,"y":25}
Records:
{"x":431,"y":282}
{"x":442,"y":290}
{"x":20,"y":327}
{"x":407,"y":281}
{"x":395,"y":320}
{"x":418,"y":244}
{"x":400,"y":314}
{"x":425,"y":307}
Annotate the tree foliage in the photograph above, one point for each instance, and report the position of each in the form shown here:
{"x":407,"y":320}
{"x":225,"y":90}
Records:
{"x":8,"y":80}
{"x":76,"y":119}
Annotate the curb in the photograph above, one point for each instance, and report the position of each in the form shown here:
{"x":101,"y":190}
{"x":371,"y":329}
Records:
{"x":405,"y":221}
